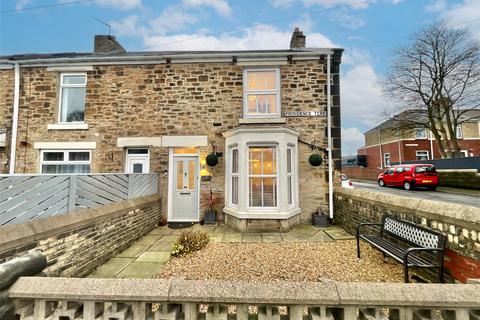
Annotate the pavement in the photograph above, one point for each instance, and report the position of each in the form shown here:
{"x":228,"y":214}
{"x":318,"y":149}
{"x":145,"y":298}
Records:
{"x":145,"y":257}
{"x":442,"y":194}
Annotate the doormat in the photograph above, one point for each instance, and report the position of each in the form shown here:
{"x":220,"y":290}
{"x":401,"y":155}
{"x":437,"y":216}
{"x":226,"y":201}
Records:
{"x":180,"y":225}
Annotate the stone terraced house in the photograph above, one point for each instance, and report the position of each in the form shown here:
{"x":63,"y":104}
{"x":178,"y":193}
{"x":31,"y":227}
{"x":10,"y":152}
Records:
{"x":261,"y":112}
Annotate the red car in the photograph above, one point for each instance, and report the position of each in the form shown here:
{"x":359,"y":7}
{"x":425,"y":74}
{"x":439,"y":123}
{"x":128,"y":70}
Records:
{"x":409,"y":176}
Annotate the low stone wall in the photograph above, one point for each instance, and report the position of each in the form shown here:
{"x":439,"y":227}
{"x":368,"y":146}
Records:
{"x":460,"y":178}
{"x":461,"y":225}
{"x":76,"y":243}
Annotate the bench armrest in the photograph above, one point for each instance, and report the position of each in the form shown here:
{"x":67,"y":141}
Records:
{"x":413,"y":250}
{"x":366,"y":224}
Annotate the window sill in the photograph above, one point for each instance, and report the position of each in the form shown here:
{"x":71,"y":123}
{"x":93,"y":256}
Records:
{"x":277,"y":215}
{"x":67,"y":126}
{"x":261,"y":120}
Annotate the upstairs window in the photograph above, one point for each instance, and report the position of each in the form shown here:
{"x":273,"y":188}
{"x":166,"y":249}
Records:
{"x":73,"y":88}
{"x":458,"y":131}
{"x":420,"y":133}
{"x":261,"y":93}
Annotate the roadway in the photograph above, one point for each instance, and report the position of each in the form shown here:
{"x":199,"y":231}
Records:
{"x":460,"y":196}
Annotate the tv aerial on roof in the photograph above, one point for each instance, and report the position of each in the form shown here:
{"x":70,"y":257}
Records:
{"x":106,"y":24}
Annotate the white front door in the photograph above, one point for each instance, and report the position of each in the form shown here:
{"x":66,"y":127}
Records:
{"x":137,"y":160}
{"x":185,"y":204}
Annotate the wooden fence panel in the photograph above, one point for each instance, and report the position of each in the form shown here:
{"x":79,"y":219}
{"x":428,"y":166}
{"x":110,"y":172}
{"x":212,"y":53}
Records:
{"x":27,"y":197}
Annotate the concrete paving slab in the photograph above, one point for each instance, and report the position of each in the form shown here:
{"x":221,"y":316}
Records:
{"x":321,"y":236}
{"x":216,"y":237}
{"x":232,"y":237}
{"x":168,"y":238}
{"x":161,"y":246}
{"x":252,"y":237}
{"x":224,"y":229}
{"x":112,"y":267}
{"x":133,"y":251}
{"x":305,"y":229}
{"x":154,"y":256}
{"x":148,"y":239}
{"x":295,"y":237}
{"x":271,"y":237}
{"x":339,"y":234}
{"x":140,"y":270}
{"x":161,"y":230}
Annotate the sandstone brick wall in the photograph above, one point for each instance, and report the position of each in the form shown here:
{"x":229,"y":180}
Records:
{"x":460,"y":224}
{"x":6,"y":105}
{"x":76,"y":243}
{"x":175,"y":99}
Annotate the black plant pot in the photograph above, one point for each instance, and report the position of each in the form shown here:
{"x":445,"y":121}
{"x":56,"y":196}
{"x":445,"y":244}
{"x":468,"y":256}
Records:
{"x":210,"y":216}
{"x":320,"y":220}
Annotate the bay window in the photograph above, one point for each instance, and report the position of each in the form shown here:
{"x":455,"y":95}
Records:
{"x":261,"y":92}
{"x":65,"y":161}
{"x":261,"y":173}
{"x":72,"y":97}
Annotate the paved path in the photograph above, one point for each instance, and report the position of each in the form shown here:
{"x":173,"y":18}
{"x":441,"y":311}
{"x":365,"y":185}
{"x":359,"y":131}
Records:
{"x":439,"y":195}
{"x":146,"y":256}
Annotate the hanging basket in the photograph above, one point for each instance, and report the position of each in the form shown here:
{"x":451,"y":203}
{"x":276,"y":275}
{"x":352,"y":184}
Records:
{"x":315,"y":160}
{"x":212,"y":159}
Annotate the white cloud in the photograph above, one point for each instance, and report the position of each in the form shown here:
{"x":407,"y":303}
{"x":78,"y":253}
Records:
{"x":358,"y":4}
{"x":397,"y":1}
{"x":262,"y":36}
{"x":127,"y":27}
{"x":22,"y":4}
{"x":171,"y":19}
{"x":436,"y":6}
{"x":120,"y":4}
{"x":220,"y":6}
{"x":466,"y":14}
{"x":347,"y":20}
{"x":352,"y":139}
{"x":283,"y":4}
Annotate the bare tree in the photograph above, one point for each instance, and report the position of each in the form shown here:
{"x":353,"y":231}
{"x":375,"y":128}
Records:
{"x":435,"y":81}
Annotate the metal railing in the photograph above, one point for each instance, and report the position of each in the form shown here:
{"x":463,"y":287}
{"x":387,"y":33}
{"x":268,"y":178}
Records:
{"x":27,"y":197}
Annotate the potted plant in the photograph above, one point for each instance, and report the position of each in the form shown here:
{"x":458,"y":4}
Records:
{"x":210,"y":216}
{"x":319,"y":218}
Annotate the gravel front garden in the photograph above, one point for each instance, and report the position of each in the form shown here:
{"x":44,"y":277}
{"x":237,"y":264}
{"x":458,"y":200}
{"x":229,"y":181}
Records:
{"x":284,"y":262}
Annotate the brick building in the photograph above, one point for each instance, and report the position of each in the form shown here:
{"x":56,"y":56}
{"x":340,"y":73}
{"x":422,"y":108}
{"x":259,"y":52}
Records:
{"x":262,"y":113}
{"x":386,"y":144}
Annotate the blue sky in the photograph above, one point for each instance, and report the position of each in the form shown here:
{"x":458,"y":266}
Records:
{"x":368,"y":30}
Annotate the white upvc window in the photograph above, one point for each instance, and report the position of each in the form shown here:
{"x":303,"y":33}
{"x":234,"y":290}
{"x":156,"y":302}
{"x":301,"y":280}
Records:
{"x":73,"y":89}
{"x":422,"y":155}
{"x":386,"y":159}
{"x":420,"y":133}
{"x":65,"y":161}
{"x":290,"y":176}
{"x":234,"y":177}
{"x":261,"y":93}
{"x":458,"y":131}
{"x":262,"y":176}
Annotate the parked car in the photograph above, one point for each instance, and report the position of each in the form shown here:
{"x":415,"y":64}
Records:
{"x":409,"y":176}
{"x":346,"y":183}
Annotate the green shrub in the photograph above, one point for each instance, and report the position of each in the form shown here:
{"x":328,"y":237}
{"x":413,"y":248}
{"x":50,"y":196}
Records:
{"x":189,"y":241}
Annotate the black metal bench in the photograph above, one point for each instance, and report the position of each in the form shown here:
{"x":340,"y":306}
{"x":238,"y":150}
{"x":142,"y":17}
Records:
{"x":407,"y":243}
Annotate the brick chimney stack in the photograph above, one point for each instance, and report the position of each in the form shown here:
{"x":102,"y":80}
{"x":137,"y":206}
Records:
{"x":107,"y":44}
{"x":298,"y":39}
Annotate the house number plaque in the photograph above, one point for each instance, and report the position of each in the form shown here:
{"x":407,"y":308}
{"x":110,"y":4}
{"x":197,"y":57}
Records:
{"x":305,"y":114}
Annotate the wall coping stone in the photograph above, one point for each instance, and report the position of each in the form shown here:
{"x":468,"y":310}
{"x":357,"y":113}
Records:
{"x":280,"y":293}
{"x":15,"y":235}
{"x":446,"y":212}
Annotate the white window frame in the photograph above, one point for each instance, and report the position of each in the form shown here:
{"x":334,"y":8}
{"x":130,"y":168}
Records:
{"x":459,"y":132}
{"x":291,"y":175}
{"x":385,"y":157}
{"x":137,"y":155}
{"x":423,"y":136}
{"x":60,"y":97}
{"x":465,"y":152}
{"x":422,"y":151}
{"x":233,"y":175}
{"x":246,"y":92}
{"x":65,"y":158}
{"x":275,"y":176}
